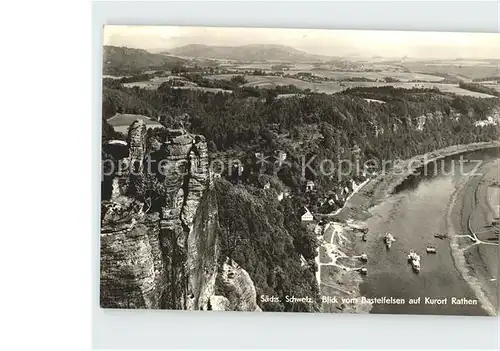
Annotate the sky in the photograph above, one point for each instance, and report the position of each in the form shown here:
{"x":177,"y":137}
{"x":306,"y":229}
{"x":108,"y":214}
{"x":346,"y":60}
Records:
{"x":316,"y":41}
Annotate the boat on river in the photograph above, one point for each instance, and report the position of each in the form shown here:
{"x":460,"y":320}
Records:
{"x":414,"y":260}
{"x":388,"y":240}
{"x":431,"y":249}
{"x":363,"y":271}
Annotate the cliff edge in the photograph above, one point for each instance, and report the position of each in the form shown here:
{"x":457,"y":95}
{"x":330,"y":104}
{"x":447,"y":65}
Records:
{"x":159,"y":225}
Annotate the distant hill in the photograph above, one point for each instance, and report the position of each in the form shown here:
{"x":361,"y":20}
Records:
{"x":122,"y":59}
{"x":257,"y":52}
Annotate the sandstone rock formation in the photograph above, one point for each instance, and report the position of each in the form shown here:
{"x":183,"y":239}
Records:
{"x":165,"y":255}
{"x":131,"y":265}
{"x":238,"y":287}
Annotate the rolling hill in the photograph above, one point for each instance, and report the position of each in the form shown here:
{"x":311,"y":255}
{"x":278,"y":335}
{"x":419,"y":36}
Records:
{"x":124,"y":59}
{"x":256,"y":52}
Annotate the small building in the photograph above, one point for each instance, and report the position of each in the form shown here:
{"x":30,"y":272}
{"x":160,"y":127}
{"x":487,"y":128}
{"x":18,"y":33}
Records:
{"x":353,"y":184}
{"x":346,"y":191}
{"x":280,"y":196}
{"x":309,"y":185}
{"x":267,"y":186}
{"x":281,"y":156}
{"x":318,"y":230}
{"x":306,"y":215}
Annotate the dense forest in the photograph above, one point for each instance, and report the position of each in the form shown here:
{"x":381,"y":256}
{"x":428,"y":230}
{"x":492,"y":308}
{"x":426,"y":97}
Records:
{"x":264,"y":235}
{"x":253,"y":120}
{"x":253,"y":117}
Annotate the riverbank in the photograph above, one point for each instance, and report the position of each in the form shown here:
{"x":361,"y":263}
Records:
{"x":376,"y":190}
{"x":338,"y":270}
{"x":473,"y":239}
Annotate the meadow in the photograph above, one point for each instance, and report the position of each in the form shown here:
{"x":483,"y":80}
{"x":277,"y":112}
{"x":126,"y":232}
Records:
{"x":402,"y":76}
{"x":337,"y":86}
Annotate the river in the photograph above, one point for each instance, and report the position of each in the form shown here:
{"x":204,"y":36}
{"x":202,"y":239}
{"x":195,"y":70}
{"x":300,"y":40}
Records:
{"x":417,"y":211}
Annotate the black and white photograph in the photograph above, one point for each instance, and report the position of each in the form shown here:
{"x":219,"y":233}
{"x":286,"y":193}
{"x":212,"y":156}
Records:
{"x":300,"y":170}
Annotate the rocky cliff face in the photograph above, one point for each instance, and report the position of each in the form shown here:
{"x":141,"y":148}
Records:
{"x":131,"y":265}
{"x":164,"y":255}
{"x":236,"y":284}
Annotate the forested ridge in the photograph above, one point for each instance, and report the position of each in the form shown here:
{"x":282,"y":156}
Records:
{"x":124,"y":60}
{"x":261,"y":233}
{"x":479,"y":88}
{"x":244,"y":121}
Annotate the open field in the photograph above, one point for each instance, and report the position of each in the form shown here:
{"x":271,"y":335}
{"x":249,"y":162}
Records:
{"x":446,"y":88}
{"x":493,"y":86}
{"x":155,"y":84}
{"x":342,"y":75}
{"x":327,"y":88}
{"x":113,"y":77}
{"x":466,"y":69}
{"x":268,"y":66}
{"x":210,"y":90}
{"x":122,"y":121}
{"x":402,"y":76}
{"x":146,"y":85}
{"x":331,"y":87}
{"x":375,"y":101}
{"x":273,"y":81}
{"x":335,"y":87}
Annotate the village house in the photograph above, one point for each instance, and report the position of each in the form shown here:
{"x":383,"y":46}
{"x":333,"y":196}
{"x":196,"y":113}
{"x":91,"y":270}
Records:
{"x":281,"y":195}
{"x":318,"y":230}
{"x":346,"y":191}
{"x":306,"y":216}
{"x":309,"y":185}
{"x":281,"y":157}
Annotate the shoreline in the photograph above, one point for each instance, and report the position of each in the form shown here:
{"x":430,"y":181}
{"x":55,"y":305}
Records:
{"x":376,"y":190}
{"x":478,"y":264}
